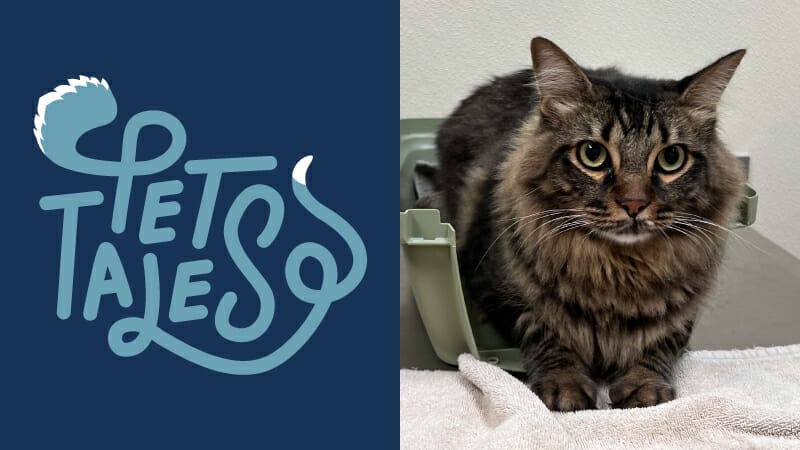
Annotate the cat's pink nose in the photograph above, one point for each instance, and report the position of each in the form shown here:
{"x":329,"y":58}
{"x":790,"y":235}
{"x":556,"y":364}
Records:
{"x":634,"y":206}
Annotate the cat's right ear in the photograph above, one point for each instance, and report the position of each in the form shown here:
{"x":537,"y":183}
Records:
{"x":703,"y":90}
{"x":560,"y":82}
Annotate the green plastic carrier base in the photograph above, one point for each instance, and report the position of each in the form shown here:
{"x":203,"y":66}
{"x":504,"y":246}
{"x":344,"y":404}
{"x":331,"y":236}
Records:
{"x":429,"y":250}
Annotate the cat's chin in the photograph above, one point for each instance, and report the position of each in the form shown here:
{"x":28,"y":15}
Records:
{"x":627,"y":238}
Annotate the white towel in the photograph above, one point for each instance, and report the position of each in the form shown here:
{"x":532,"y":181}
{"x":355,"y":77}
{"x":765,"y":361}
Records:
{"x":725,"y":399}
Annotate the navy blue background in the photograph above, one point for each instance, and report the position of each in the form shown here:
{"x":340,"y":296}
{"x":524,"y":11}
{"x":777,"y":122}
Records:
{"x":284,"y":81}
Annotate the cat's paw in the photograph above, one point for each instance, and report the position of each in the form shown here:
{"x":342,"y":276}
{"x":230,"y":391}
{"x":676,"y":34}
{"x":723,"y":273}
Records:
{"x":566,"y":392}
{"x":638,"y":391}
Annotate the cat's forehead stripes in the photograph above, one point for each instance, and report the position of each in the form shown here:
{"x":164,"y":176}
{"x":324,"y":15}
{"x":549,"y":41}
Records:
{"x":637,"y":117}
{"x":633,"y":132}
{"x":606,"y":133}
{"x":662,"y":128}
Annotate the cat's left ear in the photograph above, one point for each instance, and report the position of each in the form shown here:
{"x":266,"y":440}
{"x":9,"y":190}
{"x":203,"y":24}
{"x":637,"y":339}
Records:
{"x":561,"y":83}
{"x":703,"y":90}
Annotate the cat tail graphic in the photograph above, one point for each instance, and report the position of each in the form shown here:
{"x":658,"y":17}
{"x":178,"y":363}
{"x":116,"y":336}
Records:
{"x":83,"y":104}
{"x":66,"y":113}
{"x":71,"y":110}
{"x":331,"y":290}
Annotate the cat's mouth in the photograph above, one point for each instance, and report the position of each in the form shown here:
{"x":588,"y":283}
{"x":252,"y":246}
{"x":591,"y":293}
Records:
{"x":633,"y":232}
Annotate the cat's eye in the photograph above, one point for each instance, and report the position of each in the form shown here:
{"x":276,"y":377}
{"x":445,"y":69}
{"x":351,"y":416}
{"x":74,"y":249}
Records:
{"x":671,"y":159}
{"x":593,"y":155}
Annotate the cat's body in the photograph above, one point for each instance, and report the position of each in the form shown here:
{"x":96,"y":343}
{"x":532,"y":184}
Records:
{"x":596,"y":272}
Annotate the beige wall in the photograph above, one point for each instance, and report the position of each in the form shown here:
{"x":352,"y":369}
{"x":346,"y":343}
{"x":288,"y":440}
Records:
{"x":448,"y":48}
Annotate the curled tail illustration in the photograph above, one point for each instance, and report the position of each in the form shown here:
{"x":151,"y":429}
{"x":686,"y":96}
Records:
{"x":70,"y":110}
{"x":331,"y":290}
{"x":86,"y":103}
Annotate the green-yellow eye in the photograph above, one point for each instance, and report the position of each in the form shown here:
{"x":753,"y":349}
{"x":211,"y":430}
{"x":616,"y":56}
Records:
{"x":671,"y":159}
{"x":592,"y":155}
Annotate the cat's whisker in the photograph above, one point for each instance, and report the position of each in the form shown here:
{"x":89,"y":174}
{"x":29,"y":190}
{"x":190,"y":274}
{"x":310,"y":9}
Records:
{"x":698,"y":228}
{"x":528,"y":235}
{"x":589,"y":234}
{"x":527,"y":194}
{"x":686,"y":233}
{"x":567,"y":224}
{"x":674,"y":228}
{"x":698,"y":219}
{"x":532,"y":217}
{"x":574,"y":216}
{"x":705,"y":240}
{"x":533,"y":233}
{"x":586,"y":235}
{"x":691,"y":235}
{"x":573,"y":226}
{"x":664,"y":234}
{"x":749,"y":244}
{"x":568,"y":218}
{"x":561,"y":229}
{"x":666,"y":237}
{"x":545,"y":213}
{"x":497,"y":239}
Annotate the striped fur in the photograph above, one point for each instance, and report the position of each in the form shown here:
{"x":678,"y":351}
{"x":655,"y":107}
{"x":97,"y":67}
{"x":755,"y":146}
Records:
{"x":547,"y":251}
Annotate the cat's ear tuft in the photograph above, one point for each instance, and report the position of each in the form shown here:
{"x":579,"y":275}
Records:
{"x":703,"y":90}
{"x":560,"y":82}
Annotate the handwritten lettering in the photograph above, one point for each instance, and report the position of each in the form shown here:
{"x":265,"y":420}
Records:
{"x":72,"y":110}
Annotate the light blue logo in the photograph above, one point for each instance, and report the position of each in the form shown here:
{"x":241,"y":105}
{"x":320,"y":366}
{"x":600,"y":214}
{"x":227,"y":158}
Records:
{"x":71,"y":110}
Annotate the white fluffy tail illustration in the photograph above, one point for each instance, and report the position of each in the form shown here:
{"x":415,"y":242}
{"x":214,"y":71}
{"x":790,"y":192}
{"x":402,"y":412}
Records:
{"x":70,"y":110}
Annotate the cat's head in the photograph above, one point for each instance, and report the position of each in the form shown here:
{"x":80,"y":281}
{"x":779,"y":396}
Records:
{"x":632,"y":157}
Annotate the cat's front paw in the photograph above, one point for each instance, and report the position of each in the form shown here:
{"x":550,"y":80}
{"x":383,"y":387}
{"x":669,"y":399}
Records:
{"x":566,"y":392}
{"x":639,"y":390}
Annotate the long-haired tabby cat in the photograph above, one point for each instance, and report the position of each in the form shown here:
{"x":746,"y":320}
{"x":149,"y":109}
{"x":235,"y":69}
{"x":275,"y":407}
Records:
{"x":589,"y":207}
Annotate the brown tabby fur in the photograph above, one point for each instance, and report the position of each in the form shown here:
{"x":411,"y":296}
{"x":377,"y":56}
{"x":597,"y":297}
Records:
{"x":537,"y":242}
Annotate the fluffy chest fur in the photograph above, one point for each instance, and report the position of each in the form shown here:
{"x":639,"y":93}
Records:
{"x":604,"y":302}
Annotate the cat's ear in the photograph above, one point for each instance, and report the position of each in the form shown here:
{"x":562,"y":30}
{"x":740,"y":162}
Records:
{"x":560,"y":82}
{"x":703,"y":90}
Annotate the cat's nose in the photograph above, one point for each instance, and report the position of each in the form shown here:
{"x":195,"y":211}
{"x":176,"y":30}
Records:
{"x":634,"y":206}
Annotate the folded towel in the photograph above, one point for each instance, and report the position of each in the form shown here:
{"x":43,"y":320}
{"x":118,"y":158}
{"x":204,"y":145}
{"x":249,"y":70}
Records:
{"x":725,"y":399}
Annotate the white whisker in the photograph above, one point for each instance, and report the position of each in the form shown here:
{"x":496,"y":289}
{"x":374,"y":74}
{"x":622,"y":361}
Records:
{"x":697,"y":219}
{"x":532,"y":217}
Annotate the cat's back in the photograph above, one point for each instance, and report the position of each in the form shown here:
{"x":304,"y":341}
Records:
{"x":475,"y":133}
